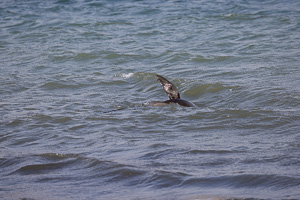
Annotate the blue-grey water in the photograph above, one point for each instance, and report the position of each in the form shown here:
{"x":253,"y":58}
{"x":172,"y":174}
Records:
{"x":76,"y":76}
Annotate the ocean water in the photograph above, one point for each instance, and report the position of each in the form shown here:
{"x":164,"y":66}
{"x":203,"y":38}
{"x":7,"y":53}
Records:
{"x":76,"y":76}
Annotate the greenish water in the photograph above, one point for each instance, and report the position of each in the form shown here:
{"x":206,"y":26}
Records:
{"x":76,"y":77}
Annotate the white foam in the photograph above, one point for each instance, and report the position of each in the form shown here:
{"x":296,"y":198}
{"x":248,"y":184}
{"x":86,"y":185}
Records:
{"x":297,"y":97}
{"x":122,"y":75}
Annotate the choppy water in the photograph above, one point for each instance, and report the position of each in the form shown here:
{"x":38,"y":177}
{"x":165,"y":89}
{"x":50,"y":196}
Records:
{"x":75,"y":77}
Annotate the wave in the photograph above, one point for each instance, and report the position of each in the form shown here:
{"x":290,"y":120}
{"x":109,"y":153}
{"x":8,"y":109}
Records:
{"x":59,"y":85}
{"x":245,"y":181}
{"x":74,"y":166}
{"x":53,"y":167}
{"x":137,"y":75}
{"x":201,"y":59}
{"x":151,"y":171}
{"x":199,"y":90}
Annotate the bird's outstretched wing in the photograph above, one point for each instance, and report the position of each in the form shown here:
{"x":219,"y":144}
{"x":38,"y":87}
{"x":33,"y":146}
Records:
{"x":169,"y":87}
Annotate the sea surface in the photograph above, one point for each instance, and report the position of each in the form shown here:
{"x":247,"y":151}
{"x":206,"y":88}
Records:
{"x":77,"y":77}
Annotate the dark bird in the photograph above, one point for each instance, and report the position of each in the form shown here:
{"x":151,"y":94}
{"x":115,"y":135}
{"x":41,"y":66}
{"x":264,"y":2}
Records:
{"x":173,"y":94}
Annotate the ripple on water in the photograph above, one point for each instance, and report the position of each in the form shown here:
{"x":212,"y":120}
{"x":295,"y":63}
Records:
{"x":245,"y":181}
